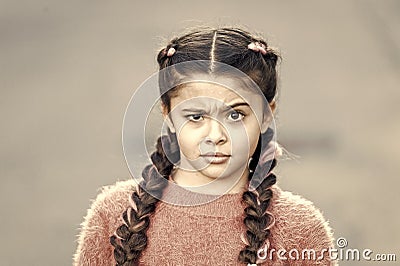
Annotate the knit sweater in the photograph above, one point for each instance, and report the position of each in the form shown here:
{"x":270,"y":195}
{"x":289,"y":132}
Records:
{"x":207,"y":234}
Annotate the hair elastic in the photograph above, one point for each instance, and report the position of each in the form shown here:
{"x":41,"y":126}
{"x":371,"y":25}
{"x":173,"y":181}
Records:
{"x":171,"y":52}
{"x":257,"y":47}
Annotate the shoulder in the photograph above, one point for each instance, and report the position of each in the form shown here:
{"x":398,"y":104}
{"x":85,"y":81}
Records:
{"x":299,"y":222}
{"x":113,"y":198}
{"x":100,"y":222}
{"x":106,"y":209}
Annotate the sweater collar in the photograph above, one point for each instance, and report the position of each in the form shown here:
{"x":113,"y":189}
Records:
{"x":184,"y":200}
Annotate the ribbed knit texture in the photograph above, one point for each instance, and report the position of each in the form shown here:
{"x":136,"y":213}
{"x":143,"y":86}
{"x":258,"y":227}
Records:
{"x":207,"y":234}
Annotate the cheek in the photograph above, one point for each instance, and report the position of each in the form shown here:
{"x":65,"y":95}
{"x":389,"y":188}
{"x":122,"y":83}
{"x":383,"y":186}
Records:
{"x":188,"y":141}
{"x":254,"y":135}
{"x":244,"y":141}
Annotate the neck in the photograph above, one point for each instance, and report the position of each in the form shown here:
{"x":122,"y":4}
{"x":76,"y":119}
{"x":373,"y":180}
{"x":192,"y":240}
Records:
{"x":196,"y":182}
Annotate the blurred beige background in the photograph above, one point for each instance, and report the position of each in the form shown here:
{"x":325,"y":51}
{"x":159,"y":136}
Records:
{"x":69,"y":68}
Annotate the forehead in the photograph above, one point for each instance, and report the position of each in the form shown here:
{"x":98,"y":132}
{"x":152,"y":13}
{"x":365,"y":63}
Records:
{"x":206,"y":89}
{"x":220,"y":88}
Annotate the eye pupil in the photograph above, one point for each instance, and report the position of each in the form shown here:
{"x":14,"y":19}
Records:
{"x":235,"y":115}
{"x":196,"y":117}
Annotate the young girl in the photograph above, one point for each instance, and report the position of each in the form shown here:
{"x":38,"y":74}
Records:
{"x":209,"y":197}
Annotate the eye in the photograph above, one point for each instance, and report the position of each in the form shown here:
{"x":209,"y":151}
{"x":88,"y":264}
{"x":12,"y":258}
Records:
{"x":195,"y":117}
{"x":235,"y":116}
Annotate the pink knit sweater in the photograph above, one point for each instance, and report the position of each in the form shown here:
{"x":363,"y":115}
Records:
{"x":208,"y":234}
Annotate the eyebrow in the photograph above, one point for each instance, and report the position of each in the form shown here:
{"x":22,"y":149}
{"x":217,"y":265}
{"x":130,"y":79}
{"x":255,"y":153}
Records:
{"x":192,"y":110}
{"x":232,"y":106}
{"x":236,"y":105}
{"x":225,"y":109}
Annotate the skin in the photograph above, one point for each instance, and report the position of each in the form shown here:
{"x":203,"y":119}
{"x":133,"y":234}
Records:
{"x":217,"y":131}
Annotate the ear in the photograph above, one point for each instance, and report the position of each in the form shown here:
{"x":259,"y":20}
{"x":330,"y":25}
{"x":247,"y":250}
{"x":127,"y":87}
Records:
{"x":267,"y":119}
{"x":167,"y":118}
{"x":272,"y":105}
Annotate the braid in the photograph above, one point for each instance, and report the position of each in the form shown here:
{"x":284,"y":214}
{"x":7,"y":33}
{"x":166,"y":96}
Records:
{"x":257,"y":219}
{"x":130,"y":239}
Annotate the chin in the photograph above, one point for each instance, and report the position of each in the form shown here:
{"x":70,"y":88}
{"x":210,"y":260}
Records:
{"x":219,"y":173}
{"x":211,"y":174}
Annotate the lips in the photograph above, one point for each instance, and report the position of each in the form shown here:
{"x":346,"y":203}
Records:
{"x":216,"y":158}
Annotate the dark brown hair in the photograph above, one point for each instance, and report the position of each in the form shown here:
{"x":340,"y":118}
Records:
{"x":228,"y":45}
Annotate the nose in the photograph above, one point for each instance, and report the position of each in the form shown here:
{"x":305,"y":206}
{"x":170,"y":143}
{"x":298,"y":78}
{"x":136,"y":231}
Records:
{"x":216,"y":133}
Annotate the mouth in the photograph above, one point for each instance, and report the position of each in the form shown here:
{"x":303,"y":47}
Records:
{"x":216,"y":158}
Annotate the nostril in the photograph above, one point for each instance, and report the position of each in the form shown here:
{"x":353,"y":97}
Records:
{"x":208,"y":140}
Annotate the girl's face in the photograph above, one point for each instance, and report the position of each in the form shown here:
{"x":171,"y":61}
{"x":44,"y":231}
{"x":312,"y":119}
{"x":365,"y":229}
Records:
{"x":217,"y":129}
